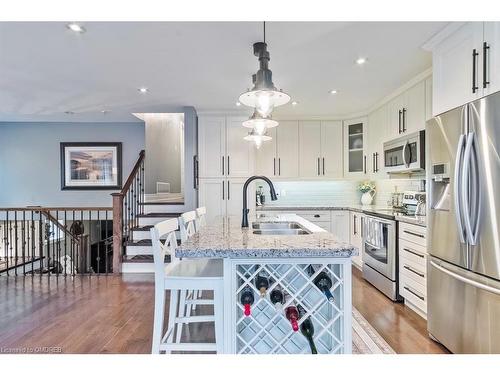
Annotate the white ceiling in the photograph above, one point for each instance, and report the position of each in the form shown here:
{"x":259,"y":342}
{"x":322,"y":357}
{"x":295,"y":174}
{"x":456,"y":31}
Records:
{"x":46,"y":70}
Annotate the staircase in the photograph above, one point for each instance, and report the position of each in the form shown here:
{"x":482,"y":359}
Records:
{"x":133,"y":218}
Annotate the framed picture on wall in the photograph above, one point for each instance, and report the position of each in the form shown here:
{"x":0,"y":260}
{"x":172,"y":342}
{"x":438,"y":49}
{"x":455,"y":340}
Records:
{"x":91,"y":165}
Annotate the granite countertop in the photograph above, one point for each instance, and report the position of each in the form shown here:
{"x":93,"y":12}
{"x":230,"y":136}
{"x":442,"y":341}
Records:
{"x":380,"y":211}
{"x":224,"y":238}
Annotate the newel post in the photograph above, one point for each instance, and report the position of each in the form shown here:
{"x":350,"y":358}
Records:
{"x":117,"y":232}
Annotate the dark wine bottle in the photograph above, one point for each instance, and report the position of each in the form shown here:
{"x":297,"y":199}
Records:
{"x":292,"y":314}
{"x":247,"y":299}
{"x":277,"y":299}
{"x":307,"y":329}
{"x":262,"y":283}
{"x":323,"y":282}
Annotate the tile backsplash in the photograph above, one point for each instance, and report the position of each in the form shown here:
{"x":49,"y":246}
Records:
{"x":334,"y":192}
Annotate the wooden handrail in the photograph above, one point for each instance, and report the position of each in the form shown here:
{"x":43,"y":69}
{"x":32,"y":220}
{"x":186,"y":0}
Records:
{"x":131,"y":177}
{"x":53,"y":220}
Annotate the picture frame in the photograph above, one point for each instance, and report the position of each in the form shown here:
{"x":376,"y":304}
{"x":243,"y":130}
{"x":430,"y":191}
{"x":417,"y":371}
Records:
{"x":91,"y":165}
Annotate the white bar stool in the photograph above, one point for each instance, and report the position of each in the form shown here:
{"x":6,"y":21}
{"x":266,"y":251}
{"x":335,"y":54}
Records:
{"x":181,"y":276}
{"x":201,"y":221}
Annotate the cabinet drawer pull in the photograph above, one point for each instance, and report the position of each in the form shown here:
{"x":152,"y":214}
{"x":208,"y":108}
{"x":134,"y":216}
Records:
{"x":317,"y":215}
{"x":414,"y":234}
{"x":412,"y":270}
{"x":413,"y":252}
{"x":414,"y":293}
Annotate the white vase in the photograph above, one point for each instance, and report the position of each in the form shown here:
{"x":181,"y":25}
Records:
{"x":367,"y":198}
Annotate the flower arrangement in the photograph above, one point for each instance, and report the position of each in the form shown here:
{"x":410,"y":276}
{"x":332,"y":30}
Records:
{"x":366,"y":186}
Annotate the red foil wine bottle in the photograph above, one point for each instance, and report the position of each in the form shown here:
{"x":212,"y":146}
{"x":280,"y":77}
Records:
{"x":247,"y":299}
{"x":292,"y":314}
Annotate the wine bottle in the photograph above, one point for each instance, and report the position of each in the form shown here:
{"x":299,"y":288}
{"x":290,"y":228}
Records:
{"x":323,"y":282}
{"x":247,"y":299}
{"x":292,"y":314}
{"x":307,"y":329}
{"x":277,"y":299}
{"x":262,"y":283}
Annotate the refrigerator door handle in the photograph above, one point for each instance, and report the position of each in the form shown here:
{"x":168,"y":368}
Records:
{"x":457,"y":188}
{"x":470,"y":190}
{"x":465,"y":279}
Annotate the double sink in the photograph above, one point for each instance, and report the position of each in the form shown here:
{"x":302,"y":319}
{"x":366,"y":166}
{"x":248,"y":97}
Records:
{"x":279,"y":228}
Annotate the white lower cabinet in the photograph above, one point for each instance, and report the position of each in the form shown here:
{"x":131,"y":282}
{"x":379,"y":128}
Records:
{"x":413,"y":267}
{"x":340,"y":225}
{"x":356,"y":237}
{"x":322,"y":218}
{"x":224,"y":197}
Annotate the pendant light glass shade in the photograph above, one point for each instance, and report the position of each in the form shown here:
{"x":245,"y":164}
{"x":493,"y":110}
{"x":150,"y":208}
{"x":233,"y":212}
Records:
{"x":259,"y":123}
{"x":257,"y":138}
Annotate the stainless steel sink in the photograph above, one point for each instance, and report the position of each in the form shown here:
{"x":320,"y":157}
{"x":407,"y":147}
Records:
{"x":276,"y":225}
{"x":279,"y":228}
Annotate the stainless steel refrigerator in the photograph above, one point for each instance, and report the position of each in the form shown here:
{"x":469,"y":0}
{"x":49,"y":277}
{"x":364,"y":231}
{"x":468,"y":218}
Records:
{"x":463,"y":171}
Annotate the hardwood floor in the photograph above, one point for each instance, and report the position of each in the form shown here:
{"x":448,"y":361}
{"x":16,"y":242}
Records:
{"x":115,"y":314}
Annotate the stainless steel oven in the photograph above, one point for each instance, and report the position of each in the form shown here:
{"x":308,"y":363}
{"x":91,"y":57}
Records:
{"x":405,"y":154}
{"x":379,"y":255}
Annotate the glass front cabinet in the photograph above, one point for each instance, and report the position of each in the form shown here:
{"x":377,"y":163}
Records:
{"x":354,"y":147}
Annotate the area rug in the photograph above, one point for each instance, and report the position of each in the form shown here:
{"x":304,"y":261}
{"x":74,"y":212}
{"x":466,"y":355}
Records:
{"x":365,"y":340}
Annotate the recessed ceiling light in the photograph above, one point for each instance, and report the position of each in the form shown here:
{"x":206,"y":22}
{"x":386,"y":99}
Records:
{"x":238,"y":104}
{"x":76,"y":27}
{"x":143,"y":90}
{"x":361,"y":60}
{"x":333,"y":92}
{"x":104,"y":111}
{"x":295,"y":103}
{"x":69,"y":112}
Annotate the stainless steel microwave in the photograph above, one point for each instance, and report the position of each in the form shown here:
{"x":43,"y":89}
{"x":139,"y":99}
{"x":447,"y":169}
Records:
{"x":405,"y":154}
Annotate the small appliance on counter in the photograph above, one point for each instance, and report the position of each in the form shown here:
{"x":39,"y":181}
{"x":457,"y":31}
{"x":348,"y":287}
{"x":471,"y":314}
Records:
{"x":414,"y":203}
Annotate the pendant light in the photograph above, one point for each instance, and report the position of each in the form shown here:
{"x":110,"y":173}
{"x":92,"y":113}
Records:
{"x":259,"y":123}
{"x":264,"y":96}
{"x":257,"y":138}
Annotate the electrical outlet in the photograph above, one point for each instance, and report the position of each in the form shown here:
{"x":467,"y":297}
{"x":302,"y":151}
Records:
{"x":283,"y":192}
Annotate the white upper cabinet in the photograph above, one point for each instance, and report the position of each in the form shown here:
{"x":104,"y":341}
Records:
{"x":310,"y":149}
{"x":331,"y":149}
{"x":407,"y":111}
{"x":355,"y":158}
{"x":222,"y":150}
{"x":212,"y":146}
{"x":239,"y":152}
{"x":279,"y":157}
{"x":491,"y":54}
{"x":414,"y":109}
{"x":457,"y":68}
{"x":265,"y":156}
{"x":428,"y":98}
{"x":377,"y":133}
{"x":287,"y":149}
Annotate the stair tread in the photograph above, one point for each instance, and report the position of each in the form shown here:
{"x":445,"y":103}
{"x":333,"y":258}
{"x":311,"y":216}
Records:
{"x":161,"y":214}
{"x":143,"y":228}
{"x":143,"y":259}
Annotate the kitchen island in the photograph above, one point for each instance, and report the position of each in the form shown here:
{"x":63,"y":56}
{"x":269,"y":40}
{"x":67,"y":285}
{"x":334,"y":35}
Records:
{"x":282,"y":254}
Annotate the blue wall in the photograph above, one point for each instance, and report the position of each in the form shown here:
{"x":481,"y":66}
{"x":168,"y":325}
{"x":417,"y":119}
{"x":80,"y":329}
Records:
{"x":30,"y":160}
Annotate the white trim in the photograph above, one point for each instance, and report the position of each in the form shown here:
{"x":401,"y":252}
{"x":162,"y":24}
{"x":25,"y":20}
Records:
{"x":437,"y":38}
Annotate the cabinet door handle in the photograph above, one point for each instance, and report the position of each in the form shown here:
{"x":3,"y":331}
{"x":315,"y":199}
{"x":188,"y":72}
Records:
{"x":354,"y":225}
{"x":323,"y":166}
{"x":365,"y":163}
{"x":318,"y":168}
{"x":373,"y":162}
{"x":317,"y":216}
{"x":376,"y":162}
{"x":474,"y":55}
{"x":413,"y":252}
{"x":228,"y":191}
{"x":279,"y":166}
{"x":223,"y":191}
{"x":274,"y":166}
{"x":404,"y":120}
{"x":414,"y":293}
{"x":223,"y":165}
{"x":399,"y":121}
{"x":414,"y":271}
{"x":228,"y":165}
{"x":486,"y":48}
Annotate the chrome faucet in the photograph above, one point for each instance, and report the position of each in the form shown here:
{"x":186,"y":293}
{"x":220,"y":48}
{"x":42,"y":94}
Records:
{"x":244,"y":220}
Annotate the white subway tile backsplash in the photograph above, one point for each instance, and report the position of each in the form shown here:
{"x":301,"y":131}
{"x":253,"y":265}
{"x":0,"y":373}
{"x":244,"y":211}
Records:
{"x":334,"y":192}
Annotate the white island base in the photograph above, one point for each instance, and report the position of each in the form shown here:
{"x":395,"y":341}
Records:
{"x":266,"y":330}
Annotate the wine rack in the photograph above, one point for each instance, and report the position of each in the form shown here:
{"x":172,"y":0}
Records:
{"x":267,"y":331}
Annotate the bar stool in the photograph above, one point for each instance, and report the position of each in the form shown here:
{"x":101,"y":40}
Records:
{"x":201,"y":221}
{"x":181,"y":276}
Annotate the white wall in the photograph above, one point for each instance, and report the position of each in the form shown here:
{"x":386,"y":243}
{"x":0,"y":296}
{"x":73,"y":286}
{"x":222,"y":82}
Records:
{"x":30,"y":160}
